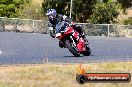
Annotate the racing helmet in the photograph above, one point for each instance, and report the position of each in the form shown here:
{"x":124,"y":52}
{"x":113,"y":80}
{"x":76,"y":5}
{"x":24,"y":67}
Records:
{"x":51,"y":13}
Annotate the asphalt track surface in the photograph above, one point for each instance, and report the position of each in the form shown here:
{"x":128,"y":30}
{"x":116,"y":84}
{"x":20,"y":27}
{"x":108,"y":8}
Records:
{"x":34,"y":48}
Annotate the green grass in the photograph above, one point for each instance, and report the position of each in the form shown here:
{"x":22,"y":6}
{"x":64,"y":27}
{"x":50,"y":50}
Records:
{"x":58,"y":75}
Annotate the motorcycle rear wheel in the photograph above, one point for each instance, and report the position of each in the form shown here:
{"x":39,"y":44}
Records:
{"x":72,"y":49}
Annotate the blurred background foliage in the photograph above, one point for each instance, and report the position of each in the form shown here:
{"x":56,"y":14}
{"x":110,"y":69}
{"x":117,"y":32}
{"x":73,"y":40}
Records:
{"x":104,"y":13}
{"x":128,"y":21}
{"x":91,"y":11}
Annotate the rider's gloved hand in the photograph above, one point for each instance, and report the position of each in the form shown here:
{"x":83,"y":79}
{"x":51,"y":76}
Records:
{"x":58,"y":35}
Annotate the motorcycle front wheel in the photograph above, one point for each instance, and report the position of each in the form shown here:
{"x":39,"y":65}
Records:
{"x":87,"y":52}
{"x":72,"y":49}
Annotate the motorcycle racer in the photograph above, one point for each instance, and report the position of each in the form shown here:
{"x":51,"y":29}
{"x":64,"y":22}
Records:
{"x":58,"y":22}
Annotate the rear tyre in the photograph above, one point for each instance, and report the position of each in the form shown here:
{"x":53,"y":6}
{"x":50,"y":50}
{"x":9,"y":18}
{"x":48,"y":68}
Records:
{"x":72,"y":49}
{"x":87,"y":52}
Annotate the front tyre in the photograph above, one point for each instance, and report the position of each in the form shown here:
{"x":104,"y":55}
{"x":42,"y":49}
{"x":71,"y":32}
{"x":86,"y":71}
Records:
{"x":72,"y":49}
{"x":87,"y":52}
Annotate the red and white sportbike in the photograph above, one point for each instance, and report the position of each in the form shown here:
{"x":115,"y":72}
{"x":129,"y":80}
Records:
{"x":70,"y":39}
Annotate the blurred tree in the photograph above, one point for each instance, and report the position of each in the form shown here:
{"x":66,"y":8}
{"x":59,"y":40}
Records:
{"x":9,"y":8}
{"x":94,"y":11}
{"x":81,"y":10}
{"x":104,"y":13}
{"x":125,"y":4}
{"x":128,"y":21}
{"x":61,"y":6}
